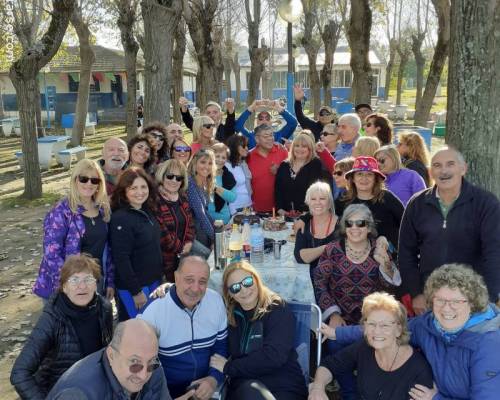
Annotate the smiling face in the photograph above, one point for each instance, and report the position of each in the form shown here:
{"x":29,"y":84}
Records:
{"x":381,"y":329}
{"x":191,"y":281}
{"x":447,"y":170}
{"x":265,"y":139}
{"x":301,"y":151}
{"x":172,"y":185}
{"x":263,"y":118}
{"x":319,"y":203}
{"x":356,"y":234}
{"x":451,"y":308}
{"x":346,"y":131}
{"x":156,"y":139}
{"x":214,"y":113}
{"x":243,"y":151}
{"x":88,"y":189}
{"x":220,"y":159}
{"x":247,"y":297}
{"x":329,"y":135}
{"x":364,"y":181}
{"x":137,"y":193}
{"x":174,"y":131}
{"x":207,"y":131}
{"x":325,"y":117}
{"x":80,"y":288}
{"x":115,"y":154}
{"x":204,"y":167}
{"x":140,"y":153}
{"x":181,"y":152}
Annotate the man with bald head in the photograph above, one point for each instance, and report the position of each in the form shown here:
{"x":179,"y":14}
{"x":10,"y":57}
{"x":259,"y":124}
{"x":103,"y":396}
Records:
{"x":192,"y":325}
{"x":452,"y":222}
{"x":114,"y":159}
{"x":126,"y":369}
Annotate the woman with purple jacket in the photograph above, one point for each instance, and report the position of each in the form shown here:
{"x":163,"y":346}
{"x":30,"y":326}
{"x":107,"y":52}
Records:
{"x":77,"y":224}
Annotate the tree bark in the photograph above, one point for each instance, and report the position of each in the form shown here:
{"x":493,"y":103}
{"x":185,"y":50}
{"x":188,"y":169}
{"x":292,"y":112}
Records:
{"x":330,"y":36}
{"x":474,"y":89}
{"x":127,"y":15}
{"x":390,"y":65}
{"x":23,"y":73}
{"x":358,"y":36}
{"x":235,"y":65}
{"x":2,"y":111}
{"x":404,"y":55}
{"x":178,"y":68}
{"x":423,"y":110}
{"x":199,"y":16}
{"x":416,"y":47}
{"x":87,"y":58}
{"x":160,"y":22}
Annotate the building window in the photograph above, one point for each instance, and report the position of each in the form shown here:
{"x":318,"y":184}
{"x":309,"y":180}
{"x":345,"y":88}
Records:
{"x":73,"y":85}
{"x":342,"y":78}
{"x":95,"y":85}
{"x":302,"y":78}
{"x":279,"y":79}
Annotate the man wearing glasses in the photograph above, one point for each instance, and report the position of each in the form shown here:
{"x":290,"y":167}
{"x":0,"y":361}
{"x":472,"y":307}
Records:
{"x":264,"y":117}
{"x":126,"y":369}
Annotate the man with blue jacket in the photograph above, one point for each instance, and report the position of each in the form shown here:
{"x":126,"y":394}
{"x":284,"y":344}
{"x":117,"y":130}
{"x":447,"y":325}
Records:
{"x":191,"y":322}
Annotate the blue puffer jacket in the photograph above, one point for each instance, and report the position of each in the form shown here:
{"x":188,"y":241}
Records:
{"x":466,"y":368}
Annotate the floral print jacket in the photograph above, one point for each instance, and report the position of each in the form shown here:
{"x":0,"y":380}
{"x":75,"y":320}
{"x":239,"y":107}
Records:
{"x":63,"y":231}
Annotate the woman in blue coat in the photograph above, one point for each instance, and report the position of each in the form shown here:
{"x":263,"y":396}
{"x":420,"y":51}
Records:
{"x":460,"y":336}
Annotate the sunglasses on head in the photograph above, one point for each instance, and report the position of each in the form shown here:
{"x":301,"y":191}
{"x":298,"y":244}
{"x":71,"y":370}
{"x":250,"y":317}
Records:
{"x":360,"y":223}
{"x":338,"y":173}
{"x":178,"y":178}
{"x":324,"y":113}
{"x":208,"y":126}
{"x":135,"y":368}
{"x":182,"y":149}
{"x":85,"y":179}
{"x":247,"y":282}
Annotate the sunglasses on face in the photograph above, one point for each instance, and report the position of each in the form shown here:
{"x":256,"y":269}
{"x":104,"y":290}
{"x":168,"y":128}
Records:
{"x":178,"y":178}
{"x":381,"y":160}
{"x":368,"y":124}
{"x":158,"y":136}
{"x":359,"y":223}
{"x":208,"y":126}
{"x":182,"y":149}
{"x":325,"y":133}
{"x":135,"y":368}
{"x":247,"y":282}
{"x":338,"y":173}
{"x":85,"y":179}
{"x":324,"y":113}
{"x":264,"y":118}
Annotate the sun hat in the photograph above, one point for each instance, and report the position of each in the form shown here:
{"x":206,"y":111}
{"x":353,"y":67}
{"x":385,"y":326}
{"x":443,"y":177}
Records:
{"x":365,"y":164}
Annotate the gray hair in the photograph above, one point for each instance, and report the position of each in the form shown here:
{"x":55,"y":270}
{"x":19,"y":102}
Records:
{"x":321,"y":188}
{"x":366,"y":214}
{"x":195,"y":259}
{"x":460,"y":156}
{"x":120,"y":330}
{"x":262,"y":128}
{"x":351,"y":119}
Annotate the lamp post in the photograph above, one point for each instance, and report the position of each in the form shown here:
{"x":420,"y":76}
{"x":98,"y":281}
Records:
{"x":290,"y":11}
{"x":45,"y":70}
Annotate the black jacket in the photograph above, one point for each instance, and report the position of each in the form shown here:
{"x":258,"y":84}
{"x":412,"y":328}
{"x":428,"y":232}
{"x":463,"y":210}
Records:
{"x":92,"y":379}
{"x":52,"y":348}
{"x":135,"y":246}
{"x":315,"y":127}
{"x":470,"y":234}
{"x":264,"y":350}
{"x":224,"y":131}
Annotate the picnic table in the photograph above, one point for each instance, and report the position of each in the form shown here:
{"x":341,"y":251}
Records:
{"x":7,"y":125}
{"x":48,"y":146}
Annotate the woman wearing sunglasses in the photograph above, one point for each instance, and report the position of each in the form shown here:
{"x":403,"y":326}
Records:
{"x":379,"y":126}
{"x":174,"y":215}
{"x":203,"y":133}
{"x":237,"y":165}
{"x":75,"y":322}
{"x":349,"y":269}
{"x":263,"y":361}
{"x":77,"y":224}
{"x":157,"y":135}
{"x":180,"y":150}
{"x":135,"y":241}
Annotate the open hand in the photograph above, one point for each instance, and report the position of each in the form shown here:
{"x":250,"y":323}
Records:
{"x":298,"y":92}
{"x":229,"y":103}
{"x":183,"y":102}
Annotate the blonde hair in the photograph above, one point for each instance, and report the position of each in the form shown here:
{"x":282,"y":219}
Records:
{"x":197,"y":125}
{"x":220,"y":148}
{"x":100,"y":197}
{"x":391,"y":152}
{"x":386,"y":302}
{"x":322,"y":188}
{"x":303,"y":138}
{"x":168,"y":167}
{"x":265,"y":298}
{"x":366,"y":146}
{"x":417,"y":150}
{"x":203,"y":153}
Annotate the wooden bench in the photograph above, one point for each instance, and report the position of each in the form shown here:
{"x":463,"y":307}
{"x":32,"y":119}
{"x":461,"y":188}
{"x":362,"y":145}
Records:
{"x":66,"y":155}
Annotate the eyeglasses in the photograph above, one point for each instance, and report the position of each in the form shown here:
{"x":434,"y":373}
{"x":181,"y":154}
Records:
{"x":455,"y":303}
{"x":208,"y":126}
{"x":85,"y":179}
{"x":360,"y":223}
{"x":324,"y":113}
{"x":381,"y":160}
{"x":338,"y":173}
{"x":182,"y":149}
{"x":135,"y":367}
{"x":178,"y":178}
{"x":385,"y":326}
{"x":247,"y":282}
{"x":325,"y":133}
{"x":266,"y":136}
{"x":75,"y":281}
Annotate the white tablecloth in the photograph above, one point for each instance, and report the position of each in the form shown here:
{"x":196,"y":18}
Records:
{"x":285,"y":276}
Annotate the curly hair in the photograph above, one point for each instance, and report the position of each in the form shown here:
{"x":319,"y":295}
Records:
{"x":127,"y":178}
{"x":384,"y":132}
{"x":160,"y":127}
{"x":142,"y":138}
{"x":461,"y":277}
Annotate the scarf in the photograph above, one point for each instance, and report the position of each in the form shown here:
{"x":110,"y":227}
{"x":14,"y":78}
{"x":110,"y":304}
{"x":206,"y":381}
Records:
{"x":228,"y":182}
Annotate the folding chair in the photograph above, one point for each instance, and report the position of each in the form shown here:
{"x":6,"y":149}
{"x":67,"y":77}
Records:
{"x":307,"y":319}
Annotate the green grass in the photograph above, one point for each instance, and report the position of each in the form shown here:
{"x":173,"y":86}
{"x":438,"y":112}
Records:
{"x":408,"y":97}
{"x":20,"y":201}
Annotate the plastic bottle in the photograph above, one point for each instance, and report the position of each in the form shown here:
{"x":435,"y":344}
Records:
{"x":235,"y":244}
{"x":245,"y":240}
{"x":257,"y":245}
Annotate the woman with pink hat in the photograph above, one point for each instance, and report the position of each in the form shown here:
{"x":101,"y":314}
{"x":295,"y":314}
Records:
{"x":365,"y":185}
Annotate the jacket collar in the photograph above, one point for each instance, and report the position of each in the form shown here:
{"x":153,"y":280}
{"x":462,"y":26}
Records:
{"x":117,"y":389}
{"x":466,"y":194}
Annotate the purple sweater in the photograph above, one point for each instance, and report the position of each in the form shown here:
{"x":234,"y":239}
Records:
{"x":404,"y":184}
{"x":63,"y":231}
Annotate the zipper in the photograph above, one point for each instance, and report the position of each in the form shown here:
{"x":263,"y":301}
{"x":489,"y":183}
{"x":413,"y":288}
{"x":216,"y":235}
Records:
{"x":444,"y":223}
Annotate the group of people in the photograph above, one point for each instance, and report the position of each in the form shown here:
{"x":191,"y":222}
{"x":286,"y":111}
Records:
{"x":382,"y":244}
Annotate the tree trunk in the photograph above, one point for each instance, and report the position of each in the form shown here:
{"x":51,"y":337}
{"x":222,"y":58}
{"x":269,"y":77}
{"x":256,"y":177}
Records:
{"x":199,"y":17}
{"x":330,"y":36}
{"x":358,"y":35}
{"x":390,"y":65}
{"x":442,"y":8}
{"x":2,"y":111}
{"x":416,"y":47}
{"x":404,"y":54}
{"x":474,"y":89}
{"x":235,"y":65}
{"x":87,"y":58}
{"x":38,"y":105}
{"x":178,"y":69}
{"x":23,"y":73}
{"x":160,"y":23}
{"x":126,"y":19}
{"x":227,"y":77}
